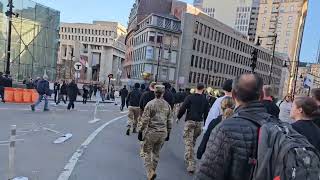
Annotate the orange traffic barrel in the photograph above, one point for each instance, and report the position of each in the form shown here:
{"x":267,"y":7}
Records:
{"x":9,"y":94}
{"x":18,"y":95}
{"x":27,"y":95}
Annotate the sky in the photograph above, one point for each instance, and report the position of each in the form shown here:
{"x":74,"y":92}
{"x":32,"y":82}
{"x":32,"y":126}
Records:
{"x":118,"y":10}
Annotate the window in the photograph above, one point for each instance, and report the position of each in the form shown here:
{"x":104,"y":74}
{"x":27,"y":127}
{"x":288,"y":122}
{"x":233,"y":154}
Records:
{"x":194,"y":44}
{"x":196,"y":62}
{"x":196,"y":27}
{"x":198,"y":45}
{"x":192,"y":60}
{"x":200,"y":62}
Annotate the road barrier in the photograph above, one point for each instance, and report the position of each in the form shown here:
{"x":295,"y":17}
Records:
{"x":19,"y":95}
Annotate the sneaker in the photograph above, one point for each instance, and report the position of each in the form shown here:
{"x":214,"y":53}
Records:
{"x":33,"y":108}
{"x":46,"y":110}
{"x":191,"y":169}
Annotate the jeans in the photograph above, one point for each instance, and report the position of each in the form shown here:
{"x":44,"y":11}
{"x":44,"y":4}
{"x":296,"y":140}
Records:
{"x":61,"y":97}
{"x":71,"y":105}
{"x":45,"y":97}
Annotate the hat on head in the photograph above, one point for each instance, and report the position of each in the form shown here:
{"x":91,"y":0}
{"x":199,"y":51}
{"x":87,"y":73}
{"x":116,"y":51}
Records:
{"x":159,"y":88}
{"x":227,"y":85}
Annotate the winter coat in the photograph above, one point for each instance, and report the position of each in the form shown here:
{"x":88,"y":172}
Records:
{"x":124,"y":93}
{"x":310,"y":130}
{"x":169,"y":97}
{"x":145,"y":98}
{"x":271,"y":108}
{"x":230,"y":146}
{"x":73,"y":91}
{"x":285,"y":108}
{"x":63,"y":89}
{"x":43,"y":87}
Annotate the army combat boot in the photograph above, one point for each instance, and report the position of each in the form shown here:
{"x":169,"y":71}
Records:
{"x":152,"y":175}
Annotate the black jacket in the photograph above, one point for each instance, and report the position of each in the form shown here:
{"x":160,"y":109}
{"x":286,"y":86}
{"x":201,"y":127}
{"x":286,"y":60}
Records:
{"x":271,"y":108}
{"x":72,"y":91}
{"x":230,"y":146}
{"x":63,"y":89}
{"x":197,"y":108}
{"x":2,"y":82}
{"x":310,"y":130}
{"x":123,"y":93}
{"x":56,"y":87}
{"x":317,"y":121}
{"x":203,"y":145}
{"x":168,"y":96}
{"x":145,"y":98}
{"x":134,"y":98}
{"x":43,"y":87}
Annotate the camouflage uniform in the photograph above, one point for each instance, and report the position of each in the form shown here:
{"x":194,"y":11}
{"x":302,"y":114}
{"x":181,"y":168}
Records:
{"x":156,"y":123}
{"x":133,"y":116}
{"x":192,"y":131}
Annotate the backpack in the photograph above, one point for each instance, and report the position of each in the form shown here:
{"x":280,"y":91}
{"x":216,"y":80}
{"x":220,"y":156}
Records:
{"x":41,"y":87}
{"x":282,"y":153}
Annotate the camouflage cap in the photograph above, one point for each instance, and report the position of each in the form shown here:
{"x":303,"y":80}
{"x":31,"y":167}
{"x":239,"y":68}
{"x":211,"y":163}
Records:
{"x":159,"y":88}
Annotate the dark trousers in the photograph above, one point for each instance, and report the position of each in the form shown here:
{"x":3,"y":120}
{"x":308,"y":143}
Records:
{"x":123,"y":103}
{"x":55,"y":96}
{"x":71,"y":105}
{"x":61,"y":97}
{"x":84,"y":100}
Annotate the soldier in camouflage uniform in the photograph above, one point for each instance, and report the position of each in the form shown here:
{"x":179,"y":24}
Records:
{"x":197,"y":107}
{"x":156,"y":122}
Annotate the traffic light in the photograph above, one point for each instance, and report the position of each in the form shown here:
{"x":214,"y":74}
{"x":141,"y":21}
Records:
{"x":254,"y":59}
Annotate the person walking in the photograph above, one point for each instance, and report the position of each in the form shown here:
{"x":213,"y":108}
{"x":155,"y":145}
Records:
{"x":116,"y":97}
{"x":85,"y":94}
{"x":90,"y":91}
{"x":168,"y":95}
{"x":156,"y":126}
{"x":216,"y":110}
{"x":227,"y":106}
{"x":73,"y":91}
{"x":197,"y":108}
{"x":268,"y":103}
{"x":147,"y":96}
{"x":95,"y":89}
{"x":315,"y":94}
{"x":304,"y":109}
{"x":285,"y":107}
{"x":56,"y":88}
{"x":2,"y":86}
{"x":232,"y":142}
{"x":134,"y":109}
{"x":62,"y":93}
{"x":123,"y":94}
{"x":44,"y":91}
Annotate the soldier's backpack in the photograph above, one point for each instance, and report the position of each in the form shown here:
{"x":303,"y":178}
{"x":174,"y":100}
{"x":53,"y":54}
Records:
{"x":282,"y":153}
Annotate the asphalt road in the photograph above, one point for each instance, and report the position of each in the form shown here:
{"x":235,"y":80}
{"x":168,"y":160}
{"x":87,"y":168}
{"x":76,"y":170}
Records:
{"x":110,"y":155}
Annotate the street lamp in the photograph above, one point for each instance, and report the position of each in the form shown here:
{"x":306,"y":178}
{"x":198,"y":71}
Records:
{"x":275,"y":36}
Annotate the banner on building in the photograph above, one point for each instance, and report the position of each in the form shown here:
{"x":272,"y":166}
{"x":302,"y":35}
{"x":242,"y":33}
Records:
{"x":149,"y":53}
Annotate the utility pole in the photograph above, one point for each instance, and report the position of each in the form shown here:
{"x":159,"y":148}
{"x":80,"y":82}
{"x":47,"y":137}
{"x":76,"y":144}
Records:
{"x":158,"y":64}
{"x":9,"y":14}
{"x":272,"y":60}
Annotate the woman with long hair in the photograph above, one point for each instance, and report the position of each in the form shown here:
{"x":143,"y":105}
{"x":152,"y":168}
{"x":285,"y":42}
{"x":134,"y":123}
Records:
{"x":227,"y":106}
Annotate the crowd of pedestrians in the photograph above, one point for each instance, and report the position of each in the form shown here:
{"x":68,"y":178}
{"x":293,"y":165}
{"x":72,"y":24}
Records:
{"x":246,"y":134}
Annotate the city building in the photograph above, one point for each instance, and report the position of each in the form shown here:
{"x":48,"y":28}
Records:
{"x":34,"y":39}
{"x":212,"y":52}
{"x":284,"y":19}
{"x":142,"y":9}
{"x":99,"y":47}
{"x":241,"y":15}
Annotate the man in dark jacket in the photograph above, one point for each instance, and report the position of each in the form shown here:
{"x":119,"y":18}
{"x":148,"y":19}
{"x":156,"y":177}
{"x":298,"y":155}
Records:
{"x":123,"y":94}
{"x":134,"y":109}
{"x":56,"y":88}
{"x":268,"y":103}
{"x":197,"y":108}
{"x":2,"y":85}
{"x":73,"y":92}
{"x":44,"y":91}
{"x":62,"y":93}
{"x":168,"y":95}
{"x":147,"y":96}
{"x":233,"y":142}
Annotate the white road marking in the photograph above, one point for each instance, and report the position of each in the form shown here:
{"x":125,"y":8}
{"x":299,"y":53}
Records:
{"x":69,"y":167}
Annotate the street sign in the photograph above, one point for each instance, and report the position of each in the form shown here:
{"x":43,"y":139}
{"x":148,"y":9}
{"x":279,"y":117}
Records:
{"x":78,"y":66}
{"x":309,"y":81}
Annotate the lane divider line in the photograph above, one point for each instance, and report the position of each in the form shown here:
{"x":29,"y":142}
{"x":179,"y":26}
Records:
{"x":69,"y":167}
